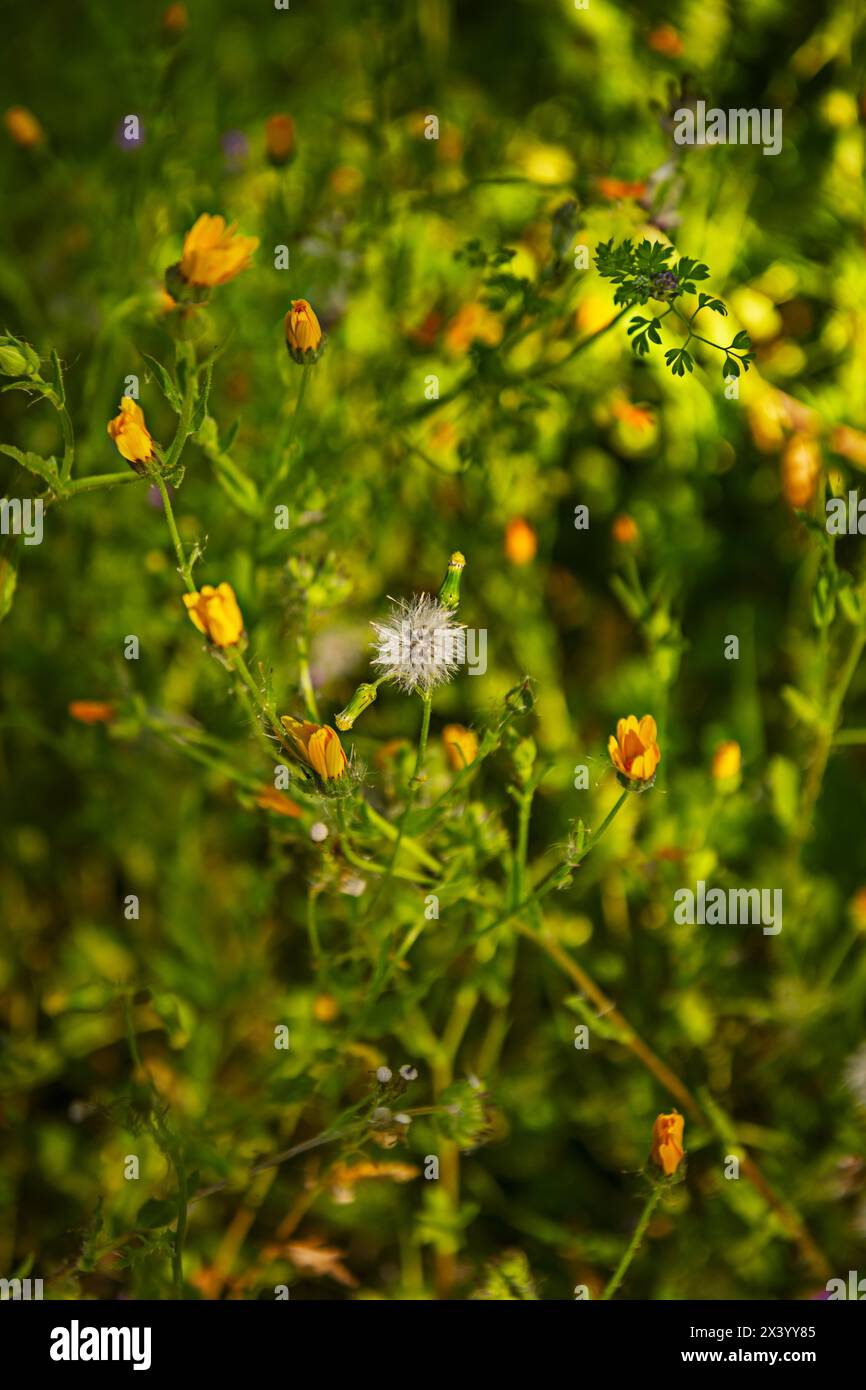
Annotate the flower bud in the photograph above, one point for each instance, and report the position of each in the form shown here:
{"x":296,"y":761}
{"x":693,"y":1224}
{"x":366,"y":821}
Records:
{"x":131,"y":435}
{"x":215,"y":612}
{"x":305,"y":340}
{"x":667,"y":1143}
{"x":361,"y":700}
{"x":12,"y":362}
{"x":449,"y":594}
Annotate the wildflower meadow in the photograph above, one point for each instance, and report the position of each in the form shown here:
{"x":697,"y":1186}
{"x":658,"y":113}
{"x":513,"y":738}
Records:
{"x":433,"y":596}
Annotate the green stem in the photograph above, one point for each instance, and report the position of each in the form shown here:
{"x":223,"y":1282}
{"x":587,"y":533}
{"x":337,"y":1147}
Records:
{"x":100,"y":480}
{"x":636,"y":1239}
{"x":183,"y":563}
{"x":556,"y":876}
{"x":180,"y":1232}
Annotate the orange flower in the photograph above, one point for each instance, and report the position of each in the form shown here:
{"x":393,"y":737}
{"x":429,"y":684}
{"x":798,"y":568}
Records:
{"x":620,"y":188}
{"x":131,"y":435}
{"x":280,"y":139}
{"x":272,"y":800}
{"x":175,"y":19}
{"x":521,"y":542}
{"x":461,"y":746}
{"x":624,"y":529}
{"x":634,"y":752}
{"x":23,"y":127}
{"x":666,"y":40}
{"x":215,"y":612}
{"x":214,"y":253}
{"x":473,"y":323}
{"x":91,"y":711}
{"x":318,"y":745}
{"x":634,"y":415}
{"x":801,"y":468}
{"x":667,"y":1143}
{"x":304,"y":337}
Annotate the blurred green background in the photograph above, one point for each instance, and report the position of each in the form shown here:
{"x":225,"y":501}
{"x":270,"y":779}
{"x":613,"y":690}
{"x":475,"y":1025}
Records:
{"x":153,"y":1035}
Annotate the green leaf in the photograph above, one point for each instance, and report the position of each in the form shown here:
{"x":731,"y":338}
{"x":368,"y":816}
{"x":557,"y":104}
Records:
{"x":34,"y":463}
{"x":200,"y":411}
{"x":8,"y":583}
{"x":802,"y":707}
{"x":157,"y":1211}
{"x":57,"y":376}
{"x":165,"y":382}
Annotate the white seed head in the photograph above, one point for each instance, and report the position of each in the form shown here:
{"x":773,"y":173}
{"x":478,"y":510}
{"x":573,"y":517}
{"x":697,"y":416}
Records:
{"x":420,"y":646}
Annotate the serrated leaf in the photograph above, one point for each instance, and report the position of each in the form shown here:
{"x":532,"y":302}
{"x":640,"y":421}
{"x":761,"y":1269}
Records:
{"x":34,"y":463}
{"x":165,"y":382}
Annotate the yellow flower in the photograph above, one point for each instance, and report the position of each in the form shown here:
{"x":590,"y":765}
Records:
{"x":280,"y":139}
{"x":318,"y":745}
{"x":130,"y":434}
{"x":634,"y":752}
{"x":521,"y":542}
{"x":23,"y":127}
{"x":461,"y":746}
{"x":304,"y":337}
{"x":667,"y":1142}
{"x":215,"y":612}
{"x":726,"y":761}
{"x":325,"y":1008}
{"x":212,"y":255}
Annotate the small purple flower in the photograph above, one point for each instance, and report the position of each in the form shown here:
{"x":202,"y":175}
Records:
{"x":236,"y":150}
{"x":154,"y":496}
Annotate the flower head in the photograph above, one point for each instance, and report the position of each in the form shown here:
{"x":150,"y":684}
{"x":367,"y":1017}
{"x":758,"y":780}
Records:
{"x":667,"y":1142}
{"x":304,"y":337}
{"x":213,"y":254}
{"x":727,"y":760}
{"x":461,"y":746}
{"x":23,"y":127}
{"x":624,"y":529}
{"x":280,"y":139}
{"x":521,"y":542}
{"x":318,"y":745}
{"x":91,"y":711}
{"x":634,"y":752}
{"x":215,"y":612}
{"x":420,"y":645}
{"x":131,"y":434}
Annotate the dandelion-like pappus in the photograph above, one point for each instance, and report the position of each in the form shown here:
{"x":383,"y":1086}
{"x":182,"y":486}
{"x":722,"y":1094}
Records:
{"x":420,"y":646}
